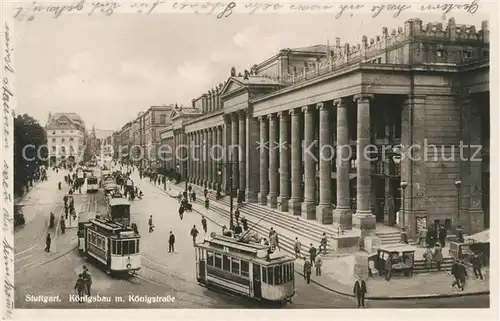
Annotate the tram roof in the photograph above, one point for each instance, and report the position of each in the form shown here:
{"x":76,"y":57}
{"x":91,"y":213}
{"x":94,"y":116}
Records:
{"x":119,"y":201}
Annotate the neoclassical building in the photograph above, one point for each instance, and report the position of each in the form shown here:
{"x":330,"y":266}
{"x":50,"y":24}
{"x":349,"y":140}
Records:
{"x":418,"y":96}
{"x":65,"y":137}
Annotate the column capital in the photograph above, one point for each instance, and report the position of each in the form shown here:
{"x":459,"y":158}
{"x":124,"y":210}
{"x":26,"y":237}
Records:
{"x":321,"y":106}
{"x":262,"y":118}
{"x":307,"y":109}
{"x":283,"y":113}
{"x":241,"y":113}
{"x":271,"y":116}
{"x":227,"y":118}
{"x":339,"y":102}
{"x":295,"y":111}
{"x":363,"y":97}
{"x":234,"y":116}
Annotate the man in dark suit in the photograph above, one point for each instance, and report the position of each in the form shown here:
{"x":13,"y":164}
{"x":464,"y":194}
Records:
{"x":360,"y":291}
{"x":171,"y":242}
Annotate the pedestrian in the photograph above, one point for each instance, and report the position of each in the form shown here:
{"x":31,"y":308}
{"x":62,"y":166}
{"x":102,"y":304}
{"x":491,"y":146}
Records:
{"x":277,"y":240}
{"x":360,"y":291}
{"x":318,"y":263}
{"x":428,"y":257}
{"x":63,"y":225}
{"x":204,"y":224}
{"x":80,"y":287}
{"x":463,"y":274}
{"x":324,"y":241}
{"x":312,"y":254}
{"x":194,"y":233}
{"x":193,"y":196}
{"x":87,"y":277}
{"x":438,"y":256}
{"x":477,"y":262}
{"x":205,"y":192}
{"x":52,"y":220}
{"x":244,"y":221}
{"x":181,"y":211}
{"x":455,"y":271}
{"x":66,"y":210}
{"x":238,"y":230}
{"x":151,"y":226}
{"x":297,"y":247}
{"x":307,"y":270}
{"x":48,"y":240}
{"x":442,"y":235}
{"x":237,"y":215}
{"x":271,"y":232}
{"x":207,"y":203}
{"x":171,"y":242}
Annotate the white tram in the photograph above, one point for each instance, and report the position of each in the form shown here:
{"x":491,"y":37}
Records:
{"x":92,"y":184}
{"x":246,"y":269}
{"x":83,"y":218}
{"x":114,"y":245}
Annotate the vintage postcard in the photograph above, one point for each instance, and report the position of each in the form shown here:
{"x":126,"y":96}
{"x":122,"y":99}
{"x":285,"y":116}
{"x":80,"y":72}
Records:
{"x":262,"y":156}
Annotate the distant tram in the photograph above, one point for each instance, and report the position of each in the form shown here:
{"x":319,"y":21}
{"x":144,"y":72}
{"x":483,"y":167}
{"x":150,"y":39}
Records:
{"x":119,"y":209}
{"x":246,"y":269}
{"x":92,"y":184}
{"x":114,"y":245}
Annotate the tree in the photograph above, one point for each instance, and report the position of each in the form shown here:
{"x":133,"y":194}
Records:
{"x":30,"y":149}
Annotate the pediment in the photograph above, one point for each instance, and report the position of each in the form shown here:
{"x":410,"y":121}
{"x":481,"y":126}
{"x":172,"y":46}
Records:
{"x":174,"y":114}
{"x":231,"y":85}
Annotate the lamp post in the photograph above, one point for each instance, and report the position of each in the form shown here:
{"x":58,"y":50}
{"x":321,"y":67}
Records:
{"x":458,"y":184}
{"x":231,"y":204}
{"x":185,"y":173}
{"x":404,"y":235}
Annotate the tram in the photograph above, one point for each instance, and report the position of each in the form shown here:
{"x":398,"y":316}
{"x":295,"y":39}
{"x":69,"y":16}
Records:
{"x":113,"y":245}
{"x":92,"y":184}
{"x":119,"y":209}
{"x":246,"y":269}
{"x":83,"y":218}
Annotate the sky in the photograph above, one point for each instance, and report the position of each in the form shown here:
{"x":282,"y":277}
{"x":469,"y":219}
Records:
{"x":108,"y":69}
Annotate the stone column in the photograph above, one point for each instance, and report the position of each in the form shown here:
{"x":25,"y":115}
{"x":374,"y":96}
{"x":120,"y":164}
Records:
{"x":210,"y":158}
{"x":196,"y":158}
{"x":220,"y":152}
{"x":227,"y":152}
{"x":209,"y":102}
{"x":284,"y":156}
{"x":294,"y":205}
{"x":264,"y":160}
{"x":324,"y":209}
{"x":191,"y":155}
{"x":272,"y":197}
{"x":363,"y":219}
{"x":206,"y":166}
{"x":252,"y":161}
{"x":200,"y":158}
{"x":242,"y":137}
{"x":309,"y":204}
{"x":342,"y":217}
{"x":234,"y":152}
{"x":214,"y":149}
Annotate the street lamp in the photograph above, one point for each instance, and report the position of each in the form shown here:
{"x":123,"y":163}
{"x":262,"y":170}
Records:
{"x":458,"y":184}
{"x":231,"y":204}
{"x":404,"y":235}
{"x":185,"y":173}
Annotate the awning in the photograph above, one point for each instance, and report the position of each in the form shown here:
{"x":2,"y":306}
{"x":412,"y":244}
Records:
{"x":481,"y":237}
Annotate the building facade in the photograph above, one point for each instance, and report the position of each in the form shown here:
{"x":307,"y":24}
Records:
{"x":414,"y":99}
{"x":65,"y":138}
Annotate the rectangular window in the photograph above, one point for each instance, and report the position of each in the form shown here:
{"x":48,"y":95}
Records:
{"x":264,"y":275}
{"x":235,"y":266}
{"x":278,"y":275}
{"x":137,"y":246}
{"x":244,"y":268}
{"x":226,"y":263}
{"x":113,"y":247}
{"x":210,"y":258}
{"x":270,"y":275}
{"x":218,"y":261}
{"x":119,"y":247}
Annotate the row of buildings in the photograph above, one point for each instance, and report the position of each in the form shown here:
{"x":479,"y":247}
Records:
{"x":420,"y":85}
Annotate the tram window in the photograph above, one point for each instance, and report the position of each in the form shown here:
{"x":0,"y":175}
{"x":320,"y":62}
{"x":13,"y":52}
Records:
{"x":218,"y":260}
{"x":292,"y":271}
{"x":131,"y":247}
{"x":270,"y":276}
{"x":235,"y":268}
{"x":264,"y":275}
{"x":226,"y":263}
{"x":286,"y":272}
{"x":119,"y":247}
{"x":278,"y":275}
{"x":113,"y":247}
{"x":210,"y":258}
{"x":137,"y":246}
{"x":244,"y":268}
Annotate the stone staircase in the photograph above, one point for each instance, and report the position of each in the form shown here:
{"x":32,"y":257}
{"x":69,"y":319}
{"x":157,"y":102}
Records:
{"x":420,"y":267}
{"x":387,"y":238}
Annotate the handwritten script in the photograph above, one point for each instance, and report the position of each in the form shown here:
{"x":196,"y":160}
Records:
{"x":7,"y":226}
{"x":225,"y":9}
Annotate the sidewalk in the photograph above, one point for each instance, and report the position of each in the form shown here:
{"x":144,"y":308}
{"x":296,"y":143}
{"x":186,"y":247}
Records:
{"x":337,"y":272}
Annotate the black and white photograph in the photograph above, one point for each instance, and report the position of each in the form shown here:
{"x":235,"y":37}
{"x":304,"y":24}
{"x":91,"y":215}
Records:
{"x":248,"y":155}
